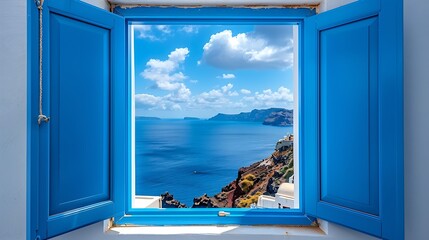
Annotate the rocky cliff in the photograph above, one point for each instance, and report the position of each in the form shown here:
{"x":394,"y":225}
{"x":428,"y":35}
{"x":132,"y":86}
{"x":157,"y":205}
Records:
{"x":279,"y":118}
{"x":168,"y":201}
{"x":262,"y":177}
{"x":271,"y":116}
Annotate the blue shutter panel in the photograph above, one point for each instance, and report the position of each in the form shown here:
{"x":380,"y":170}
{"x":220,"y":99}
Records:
{"x":82,"y":150}
{"x":352,"y":134}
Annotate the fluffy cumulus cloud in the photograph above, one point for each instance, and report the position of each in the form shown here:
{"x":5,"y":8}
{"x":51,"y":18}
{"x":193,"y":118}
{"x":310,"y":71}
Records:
{"x":165,"y":74}
{"x":144,"y":32}
{"x":170,"y":101}
{"x":283,"y":97}
{"x":245,"y":91}
{"x":227,"y":76}
{"x":227,"y":87}
{"x":220,"y":98}
{"x":190,"y":29}
{"x":149,"y":32}
{"x":217,"y":98}
{"x":147,"y":100}
{"x":163,"y":28}
{"x":265,"y":47}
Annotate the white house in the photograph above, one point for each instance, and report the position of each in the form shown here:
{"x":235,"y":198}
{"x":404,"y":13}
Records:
{"x":285,"y":142}
{"x":284,"y":198}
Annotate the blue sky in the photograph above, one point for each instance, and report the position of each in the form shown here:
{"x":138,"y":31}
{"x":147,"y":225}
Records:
{"x":199,"y":71}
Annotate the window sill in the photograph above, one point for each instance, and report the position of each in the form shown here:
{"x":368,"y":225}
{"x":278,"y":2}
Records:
{"x":325,"y":231}
{"x":214,"y":232}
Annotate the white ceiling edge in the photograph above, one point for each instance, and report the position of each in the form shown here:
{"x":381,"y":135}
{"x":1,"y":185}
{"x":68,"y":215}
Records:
{"x":217,"y":2}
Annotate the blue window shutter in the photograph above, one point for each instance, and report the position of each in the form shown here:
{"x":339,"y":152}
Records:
{"x":78,"y":158}
{"x":352,"y":107}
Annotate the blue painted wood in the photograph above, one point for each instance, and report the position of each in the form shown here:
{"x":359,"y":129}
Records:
{"x":352,"y":135}
{"x":32,"y":199}
{"x":209,"y":216}
{"x":349,"y":115}
{"x":214,"y":15}
{"x":79,"y":114}
{"x":80,"y":153}
{"x":391,"y":119}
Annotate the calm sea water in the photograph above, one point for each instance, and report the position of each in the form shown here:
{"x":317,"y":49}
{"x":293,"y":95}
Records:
{"x":191,"y":157}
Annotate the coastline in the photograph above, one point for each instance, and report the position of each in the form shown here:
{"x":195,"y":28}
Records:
{"x":263,"y":177}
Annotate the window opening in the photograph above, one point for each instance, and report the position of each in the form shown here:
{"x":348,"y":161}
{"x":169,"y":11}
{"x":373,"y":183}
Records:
{"x":215,"y":116}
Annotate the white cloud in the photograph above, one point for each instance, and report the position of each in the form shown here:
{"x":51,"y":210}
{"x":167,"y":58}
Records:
{"x":212,"y":99}
{"x":163,"y":28}
{"x":152,"y":33}
{"x":164,"y":73}
{"x":233,"y":94}
{"x":211,"y":95}
{"x":227,"y":76}
{"x":181,"y":95}
{"x":283,"y":97}
{"x":166,"y":76}
{"x":227,"y":87}
{"x":170,"y":101}
{"x":245,"y":91}
{"x":226,"y":98}
{"x":147,"y":100}
{"x":217,"y":98}
{"x":263,"y":48}
{"x":190,"y":29}
{"x":144,"y":32}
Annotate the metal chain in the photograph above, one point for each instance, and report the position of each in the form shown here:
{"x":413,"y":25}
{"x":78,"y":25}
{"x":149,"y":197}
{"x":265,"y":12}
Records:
{"x":41,"y":118}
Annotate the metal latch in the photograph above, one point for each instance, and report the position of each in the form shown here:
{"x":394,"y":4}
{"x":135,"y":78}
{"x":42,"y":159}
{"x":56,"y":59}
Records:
{"x":223,"y":214}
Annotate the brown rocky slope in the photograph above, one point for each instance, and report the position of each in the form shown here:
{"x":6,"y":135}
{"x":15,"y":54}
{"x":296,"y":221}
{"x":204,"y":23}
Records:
{"x":263,"y":177}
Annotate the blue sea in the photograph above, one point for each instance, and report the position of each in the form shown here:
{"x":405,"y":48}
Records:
{"x":188,"y":158}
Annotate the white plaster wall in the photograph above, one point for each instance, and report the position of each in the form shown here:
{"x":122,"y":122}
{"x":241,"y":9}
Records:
{"x":13,"y":118}
{"x":99,"y":3}
{"x":324,"y":4}
{"x":13,"y":126}
{"x":331,"y":4}
{"x":416,"y":106}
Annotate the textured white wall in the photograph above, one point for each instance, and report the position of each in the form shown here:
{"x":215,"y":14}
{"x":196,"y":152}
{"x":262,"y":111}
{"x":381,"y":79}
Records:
{"x":13,"y":123}
{"x":331,"y":4}
{"x":99,"y":3}
{"x":416,"y":105}
{"x":13,"y":118}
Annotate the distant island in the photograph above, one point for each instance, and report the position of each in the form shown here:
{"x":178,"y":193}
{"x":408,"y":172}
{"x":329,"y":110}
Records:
{"x":147,"y":118}
{"x":270,"y":116}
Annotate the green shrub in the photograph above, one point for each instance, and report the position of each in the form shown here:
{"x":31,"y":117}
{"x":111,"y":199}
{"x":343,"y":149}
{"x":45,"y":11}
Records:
{"x":246,"y":185}
{"x":290,"y":164}
{"x":250,"y":177}
{"x":245,"y":203}
{"x":288,"y":173}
